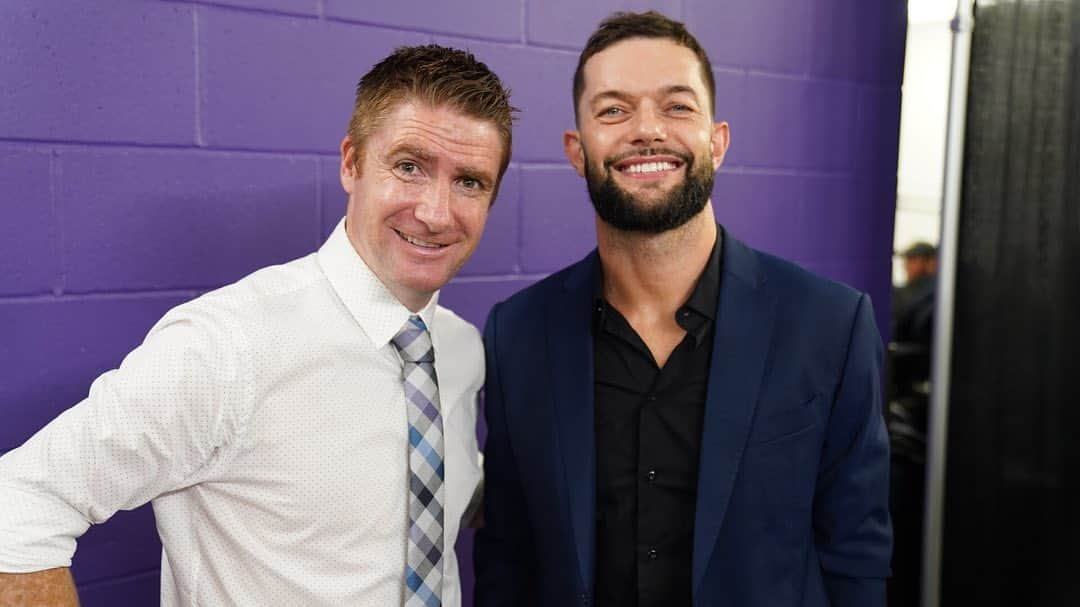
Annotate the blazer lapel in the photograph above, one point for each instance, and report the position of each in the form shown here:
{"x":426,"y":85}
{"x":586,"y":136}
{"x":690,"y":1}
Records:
{"x":570,"y":350}
{"x":745,"y":314}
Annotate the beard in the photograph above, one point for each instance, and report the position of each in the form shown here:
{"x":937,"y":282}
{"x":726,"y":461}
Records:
{"x":623,"y":211}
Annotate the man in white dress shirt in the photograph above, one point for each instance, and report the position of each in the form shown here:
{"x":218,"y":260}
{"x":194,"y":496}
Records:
{"x":267,"y":421}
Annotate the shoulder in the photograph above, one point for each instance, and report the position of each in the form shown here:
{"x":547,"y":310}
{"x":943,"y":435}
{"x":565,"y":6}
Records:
{"x":812,"y":312}
{"x":241,"y":309}
{"x":798,"y":285}
{"x":796,"y":289}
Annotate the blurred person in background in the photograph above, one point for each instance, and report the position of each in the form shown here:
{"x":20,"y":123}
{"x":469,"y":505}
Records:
{"x":913,"y":302}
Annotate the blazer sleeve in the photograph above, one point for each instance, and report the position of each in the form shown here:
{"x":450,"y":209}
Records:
{"x":503,"y":551}
{"x":852,"y":529}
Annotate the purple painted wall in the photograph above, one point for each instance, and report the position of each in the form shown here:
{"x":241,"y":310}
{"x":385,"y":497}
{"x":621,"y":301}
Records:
{"x":152,"y":150}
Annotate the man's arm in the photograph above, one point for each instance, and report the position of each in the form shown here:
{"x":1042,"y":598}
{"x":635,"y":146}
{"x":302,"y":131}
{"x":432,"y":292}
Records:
{"x":503,"y":549}
{"x":851,"y":510}
{"x":146,"y":428}
{"x":49,"y":588}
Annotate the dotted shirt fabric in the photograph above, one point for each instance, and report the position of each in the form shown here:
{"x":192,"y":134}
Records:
{"x":266,"y":421}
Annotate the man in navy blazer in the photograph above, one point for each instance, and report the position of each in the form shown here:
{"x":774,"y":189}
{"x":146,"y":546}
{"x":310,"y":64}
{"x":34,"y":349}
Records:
{"x":677,"y":419}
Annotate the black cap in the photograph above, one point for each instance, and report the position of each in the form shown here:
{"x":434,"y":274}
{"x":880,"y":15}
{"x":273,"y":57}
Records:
{"x":919,"y":249}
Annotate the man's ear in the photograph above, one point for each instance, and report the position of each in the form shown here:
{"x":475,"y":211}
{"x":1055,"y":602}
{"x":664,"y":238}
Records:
{"x":349,"y":170}
{"x":571,"y":141}
{"x":721,"y":139}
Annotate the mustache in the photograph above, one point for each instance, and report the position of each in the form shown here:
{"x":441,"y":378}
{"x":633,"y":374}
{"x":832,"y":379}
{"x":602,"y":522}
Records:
{"x":682,"y":156}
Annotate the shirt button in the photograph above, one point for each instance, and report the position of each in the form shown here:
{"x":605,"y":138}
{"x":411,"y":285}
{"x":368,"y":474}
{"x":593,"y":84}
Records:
{"x":650,"y":475}
{"x":652,"y":398}
{"x":652,"y":555}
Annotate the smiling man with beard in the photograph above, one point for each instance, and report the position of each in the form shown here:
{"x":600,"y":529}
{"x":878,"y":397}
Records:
{"x":677,"y":419}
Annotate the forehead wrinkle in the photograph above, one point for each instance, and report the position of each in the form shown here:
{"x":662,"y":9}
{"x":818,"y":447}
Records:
{"x":431,"y":142}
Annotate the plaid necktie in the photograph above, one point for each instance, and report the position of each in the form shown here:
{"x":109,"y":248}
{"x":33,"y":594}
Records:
{"x":424,"y":556}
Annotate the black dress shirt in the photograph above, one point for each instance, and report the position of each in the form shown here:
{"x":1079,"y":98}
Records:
{"x":648,"y":438}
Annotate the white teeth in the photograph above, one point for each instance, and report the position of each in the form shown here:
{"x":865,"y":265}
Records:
{"x":418,"y":242}
{"x":650,"y":167}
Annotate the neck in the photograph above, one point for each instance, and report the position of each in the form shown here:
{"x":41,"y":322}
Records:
{"x":654,"y":273}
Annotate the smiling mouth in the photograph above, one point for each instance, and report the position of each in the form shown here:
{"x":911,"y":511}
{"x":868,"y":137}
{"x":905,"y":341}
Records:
{"x":645,"y":168}
{"x":648,"y":162}
{"x":420,"y":243}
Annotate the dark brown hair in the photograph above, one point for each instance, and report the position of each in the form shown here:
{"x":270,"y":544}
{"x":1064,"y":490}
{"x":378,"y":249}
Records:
{"x":436,"y":76}
{"x":622,"y":26}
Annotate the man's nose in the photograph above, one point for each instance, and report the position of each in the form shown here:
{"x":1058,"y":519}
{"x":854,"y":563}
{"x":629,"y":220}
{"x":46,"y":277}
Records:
{"x":433,"y":209}
{"x":649,"y":126}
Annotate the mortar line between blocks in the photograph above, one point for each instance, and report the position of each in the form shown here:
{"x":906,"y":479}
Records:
{"x":200,"y":137}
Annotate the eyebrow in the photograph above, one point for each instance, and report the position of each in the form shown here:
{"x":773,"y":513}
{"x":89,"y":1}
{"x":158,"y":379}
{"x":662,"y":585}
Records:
{"x":411,"y":150}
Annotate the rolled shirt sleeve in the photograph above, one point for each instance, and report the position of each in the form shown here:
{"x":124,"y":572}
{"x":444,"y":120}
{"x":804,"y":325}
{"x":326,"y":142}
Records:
{"x":154,"y":425}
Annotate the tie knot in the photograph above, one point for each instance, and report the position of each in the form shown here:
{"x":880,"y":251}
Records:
{"x":413,"y":342}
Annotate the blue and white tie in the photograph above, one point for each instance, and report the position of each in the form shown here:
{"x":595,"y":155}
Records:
{"x":424,"y":556}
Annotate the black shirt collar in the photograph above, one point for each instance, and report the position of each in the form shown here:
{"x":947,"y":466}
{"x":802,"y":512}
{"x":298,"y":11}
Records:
{"x":696,"y":316}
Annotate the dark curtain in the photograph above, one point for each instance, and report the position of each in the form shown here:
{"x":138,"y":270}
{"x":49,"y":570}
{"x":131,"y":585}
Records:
{"x":1010,"y":533}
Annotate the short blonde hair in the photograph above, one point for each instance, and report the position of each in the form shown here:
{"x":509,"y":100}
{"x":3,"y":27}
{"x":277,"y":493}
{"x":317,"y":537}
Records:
{"x":437,"y":76}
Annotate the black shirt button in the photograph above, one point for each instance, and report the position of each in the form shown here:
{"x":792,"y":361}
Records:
{"x":650,"y":475}
{"x":652,"y":555}
{"x":652,"y":398}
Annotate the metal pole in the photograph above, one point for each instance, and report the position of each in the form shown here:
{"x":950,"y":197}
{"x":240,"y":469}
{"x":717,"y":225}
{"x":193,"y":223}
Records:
{"x":946,"y":296}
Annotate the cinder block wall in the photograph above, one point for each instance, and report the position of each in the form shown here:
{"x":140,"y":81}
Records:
{"x":153,"y":150}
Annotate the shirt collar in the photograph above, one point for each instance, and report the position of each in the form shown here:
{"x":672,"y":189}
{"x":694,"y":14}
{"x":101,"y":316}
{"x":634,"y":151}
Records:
{"x":704,"y":296}
{"x":702,"y":301}
{"x":367,"y":299}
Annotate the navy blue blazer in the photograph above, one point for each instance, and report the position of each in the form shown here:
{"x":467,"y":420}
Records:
{"x":792,"y":505}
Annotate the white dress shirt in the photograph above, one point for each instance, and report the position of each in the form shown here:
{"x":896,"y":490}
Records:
{"x":267,"y":423}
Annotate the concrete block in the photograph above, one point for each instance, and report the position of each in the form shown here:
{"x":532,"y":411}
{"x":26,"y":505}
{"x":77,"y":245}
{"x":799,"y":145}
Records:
{"x":491,"y":19}
{"x":877,"y":131}
{"x":764,"y":211}
{"x":137,"y":220}
{"x":768,"y":35}
{"x":89,"y":72}
{"x":569,"y":23}
{"x":29,"y":246}
{"x":798,"y":124}
{"x":847,"y":219}
{"x":557,"y":219}
{"x":281,"y":83}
